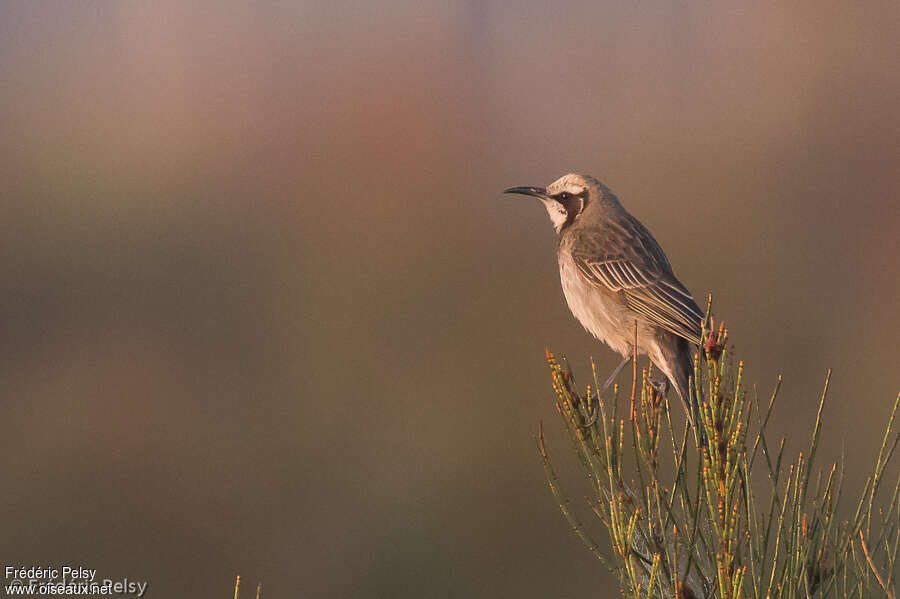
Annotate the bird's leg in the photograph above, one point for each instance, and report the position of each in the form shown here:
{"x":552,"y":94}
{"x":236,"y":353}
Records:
{"x":615,"y":373}
{"x":595,"y":408}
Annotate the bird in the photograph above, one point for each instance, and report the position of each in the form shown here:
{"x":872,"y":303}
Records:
{"x":616,"y":277}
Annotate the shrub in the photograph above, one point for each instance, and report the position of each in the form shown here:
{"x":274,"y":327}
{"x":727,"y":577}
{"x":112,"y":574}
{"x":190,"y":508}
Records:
{"x":721,"y":512}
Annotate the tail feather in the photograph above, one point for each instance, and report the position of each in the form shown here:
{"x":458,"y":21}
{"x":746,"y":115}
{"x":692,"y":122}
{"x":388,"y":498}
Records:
{"x":682,"y":379}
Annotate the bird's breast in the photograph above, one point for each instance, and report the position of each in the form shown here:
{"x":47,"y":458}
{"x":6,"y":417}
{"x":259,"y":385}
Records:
{"x":601,"y":311}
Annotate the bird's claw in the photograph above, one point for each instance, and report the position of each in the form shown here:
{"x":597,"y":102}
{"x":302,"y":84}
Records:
{"x":661,"y":386}
{"x":595,"y":414}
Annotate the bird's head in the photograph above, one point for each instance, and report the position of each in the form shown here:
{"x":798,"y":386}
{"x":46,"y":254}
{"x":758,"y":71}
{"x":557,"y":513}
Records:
{"x":566,"y":198}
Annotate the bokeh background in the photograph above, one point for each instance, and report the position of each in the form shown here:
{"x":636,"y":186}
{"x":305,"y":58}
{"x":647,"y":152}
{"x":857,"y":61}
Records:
{"x":265,"y":310}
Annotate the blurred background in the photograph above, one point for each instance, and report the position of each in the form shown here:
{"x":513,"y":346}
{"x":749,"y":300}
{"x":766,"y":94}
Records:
{"x":265,"y":310}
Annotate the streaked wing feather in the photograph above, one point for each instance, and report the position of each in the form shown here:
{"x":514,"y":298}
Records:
{"x":627,"y":259}
{"x":673,"y":315}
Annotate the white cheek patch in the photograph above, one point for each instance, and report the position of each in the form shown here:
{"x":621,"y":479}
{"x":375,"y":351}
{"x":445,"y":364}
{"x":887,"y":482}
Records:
{"x":557,"y":213}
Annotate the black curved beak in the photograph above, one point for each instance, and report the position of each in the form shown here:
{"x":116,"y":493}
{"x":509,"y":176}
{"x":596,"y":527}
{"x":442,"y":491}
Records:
{"x":538,"y":192}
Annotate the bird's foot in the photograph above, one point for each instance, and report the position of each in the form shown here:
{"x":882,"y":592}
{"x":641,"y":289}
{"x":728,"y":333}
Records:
{"x":594,"y":415}
{"x":661,"y":386}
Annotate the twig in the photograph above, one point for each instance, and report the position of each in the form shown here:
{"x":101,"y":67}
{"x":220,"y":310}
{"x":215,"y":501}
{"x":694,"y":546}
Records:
{"x":631,"y":413}
{"x":571,"y":518}
{"x":875,"y":571}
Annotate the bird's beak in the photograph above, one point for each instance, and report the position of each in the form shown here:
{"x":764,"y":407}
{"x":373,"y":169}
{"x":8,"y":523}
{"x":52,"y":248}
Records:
{"x":538,"y":192}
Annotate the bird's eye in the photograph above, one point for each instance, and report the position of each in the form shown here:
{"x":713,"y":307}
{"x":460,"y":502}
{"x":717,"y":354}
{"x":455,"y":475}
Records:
{"x":565,"y":195}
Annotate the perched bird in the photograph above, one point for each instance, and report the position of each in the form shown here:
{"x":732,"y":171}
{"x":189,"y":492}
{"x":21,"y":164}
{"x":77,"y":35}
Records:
{"x":615,"y":277}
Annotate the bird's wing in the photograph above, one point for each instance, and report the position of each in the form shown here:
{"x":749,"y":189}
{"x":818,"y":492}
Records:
{"x":625,"y":258}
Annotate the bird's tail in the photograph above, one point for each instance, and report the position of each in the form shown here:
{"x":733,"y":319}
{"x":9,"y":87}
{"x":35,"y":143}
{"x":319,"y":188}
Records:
{"x":682,"y":381}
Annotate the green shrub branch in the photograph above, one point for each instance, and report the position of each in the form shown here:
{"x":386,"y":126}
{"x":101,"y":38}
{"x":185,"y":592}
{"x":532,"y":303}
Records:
{"x":713,"y":512}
